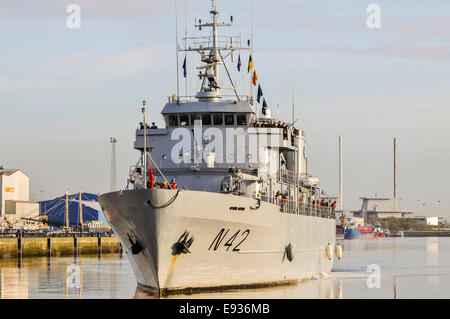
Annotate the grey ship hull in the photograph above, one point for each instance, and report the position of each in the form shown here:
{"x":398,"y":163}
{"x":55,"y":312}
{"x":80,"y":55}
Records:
{"x":231,"y":248}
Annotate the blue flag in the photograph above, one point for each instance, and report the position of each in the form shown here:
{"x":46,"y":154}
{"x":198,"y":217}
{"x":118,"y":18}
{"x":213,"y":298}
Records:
{"x":260,"y":93}
{"x":184,"y":67}
{"x":239,"y":63}
{"x":264,"y":108}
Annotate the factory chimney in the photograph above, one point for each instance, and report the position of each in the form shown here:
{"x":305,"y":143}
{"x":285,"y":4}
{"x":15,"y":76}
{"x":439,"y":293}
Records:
{"x":395,"y":174}
{"x":341,"y":205}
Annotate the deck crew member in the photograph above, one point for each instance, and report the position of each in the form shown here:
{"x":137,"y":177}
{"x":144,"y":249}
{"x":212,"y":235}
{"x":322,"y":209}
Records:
{"x":277,"y":196}
{"x":173,"y":184}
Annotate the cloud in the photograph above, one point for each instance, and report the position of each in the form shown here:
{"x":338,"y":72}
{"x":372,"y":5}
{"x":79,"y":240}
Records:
{"x":128,"y":63}
{"x":425,"y":51}
{"x":19,"y":84}
{"x":90,"y":8}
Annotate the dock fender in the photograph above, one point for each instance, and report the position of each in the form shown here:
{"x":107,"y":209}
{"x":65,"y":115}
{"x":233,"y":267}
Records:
{"x":329,"y":251}
{"x":289,"y":250}
{"x":258,"y":204}
{"x":338,"y":251}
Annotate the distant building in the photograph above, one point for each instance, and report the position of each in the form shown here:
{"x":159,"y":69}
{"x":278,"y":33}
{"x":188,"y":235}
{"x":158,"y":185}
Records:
{"x":374,"y":208}
{"x":426,"y":220}
{"x":15,"y":198}
{"x":96,"y":227}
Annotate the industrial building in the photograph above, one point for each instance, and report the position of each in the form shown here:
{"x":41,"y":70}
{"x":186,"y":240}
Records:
{"x":15,"y":199}
{"x":427,"y":220}
{"x":374,"y":208}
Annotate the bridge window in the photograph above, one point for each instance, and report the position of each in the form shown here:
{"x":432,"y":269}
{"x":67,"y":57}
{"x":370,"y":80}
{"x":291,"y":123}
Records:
{"x":173,"y":120}
{"x":229,"y":119}
{"x":206,"y":119}
{"x":195,"y":117}
{"x":241,"y":119}
{"x":218,"y":119}
{"x":184,"y":120}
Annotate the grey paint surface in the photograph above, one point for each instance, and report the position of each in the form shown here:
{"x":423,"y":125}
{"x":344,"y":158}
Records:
{"x":261,"y":257}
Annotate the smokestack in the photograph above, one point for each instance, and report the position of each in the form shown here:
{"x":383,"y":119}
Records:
{"x":395,"y":174}
{"x":341,"y":206}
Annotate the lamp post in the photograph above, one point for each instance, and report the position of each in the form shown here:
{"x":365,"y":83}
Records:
{"x":439,"y":213}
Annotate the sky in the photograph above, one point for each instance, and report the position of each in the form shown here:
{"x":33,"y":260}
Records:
{"x":64,"y":92}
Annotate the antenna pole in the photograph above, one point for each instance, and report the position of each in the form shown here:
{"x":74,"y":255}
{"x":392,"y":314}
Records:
{"x":176,"y":49}
{"x":185,"y":41}
{"x":145,"y":144}
{"x":214,"y":12}
{"x":253,"y":57}
{"x":113,"y":185}
{"x":293,"y":105}
{"x":80,"y":210}
{"x":67,"y":209}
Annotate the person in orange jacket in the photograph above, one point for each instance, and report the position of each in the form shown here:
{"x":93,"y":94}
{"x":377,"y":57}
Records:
{"x":164,"y":185}
{"x":173,"y":184}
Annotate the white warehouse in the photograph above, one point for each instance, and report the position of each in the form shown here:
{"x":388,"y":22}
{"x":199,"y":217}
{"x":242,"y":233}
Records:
{"x":15,"y":196}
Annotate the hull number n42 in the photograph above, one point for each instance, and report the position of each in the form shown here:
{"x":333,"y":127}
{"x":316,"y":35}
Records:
{"x":234,"y":239}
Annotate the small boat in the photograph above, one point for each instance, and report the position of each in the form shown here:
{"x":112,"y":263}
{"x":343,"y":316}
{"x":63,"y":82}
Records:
{"x":379,"y":232}
{"x":397,"y":234}
{"x":355,"y":231}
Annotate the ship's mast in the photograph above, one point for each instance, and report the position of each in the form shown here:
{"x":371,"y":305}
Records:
{"x":67,"y":209}
{"x":215,"y":51}
{"x":80,"y":210}
{"x":211,"y":54}
{"x":211,"y":88}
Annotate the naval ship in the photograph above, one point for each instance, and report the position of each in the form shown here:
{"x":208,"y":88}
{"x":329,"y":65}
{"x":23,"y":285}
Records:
{"x":244,"y":209}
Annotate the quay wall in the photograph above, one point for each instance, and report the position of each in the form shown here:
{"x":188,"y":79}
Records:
{"x":34,"y":247}
{"x":57,"y":246}
{"x":62,"y":246}
{"x":431,"y":233}
{"x":8,"y":247}
{"x":110,"y":245}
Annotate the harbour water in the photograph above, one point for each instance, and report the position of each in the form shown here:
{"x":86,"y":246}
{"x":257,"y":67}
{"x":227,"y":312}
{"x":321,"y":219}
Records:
{"x":371,"y":268}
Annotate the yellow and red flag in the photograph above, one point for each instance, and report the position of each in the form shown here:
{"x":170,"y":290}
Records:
{"x":255,"y":78}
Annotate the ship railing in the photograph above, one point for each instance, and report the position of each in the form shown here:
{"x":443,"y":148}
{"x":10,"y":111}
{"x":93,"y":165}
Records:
{"x":287,"y":176}
{"x":193,"y":98}
{"x":290,"y":206}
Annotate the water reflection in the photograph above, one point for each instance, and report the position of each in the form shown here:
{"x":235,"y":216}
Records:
{"x":71,"y":278}
{"x":14,"y":283}
{"x":419,"y":266}
{"x":395,"y":289}
{"x":339,"y":290}
{"x":432,"y":250}
{"x":309,"y":289}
